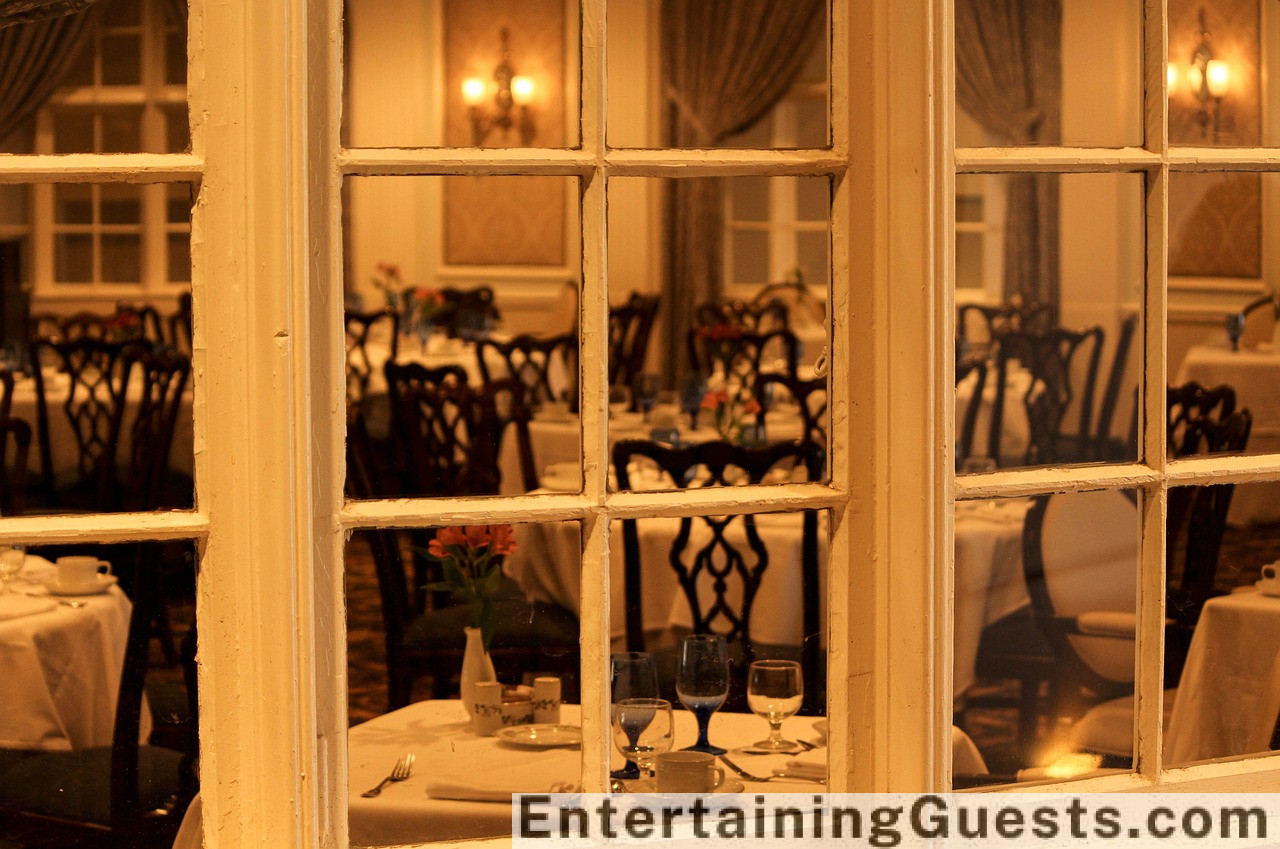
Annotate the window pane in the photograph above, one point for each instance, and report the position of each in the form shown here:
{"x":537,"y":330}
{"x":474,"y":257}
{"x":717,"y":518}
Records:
{"x":121,"y":60}
{"x":699,"y":675}
{"x":500,"y":388}
{"x":120,"y":204}
{"x":73,"y":255}
{"x":175,"y":58}
{"x":1046,"y":79}
{"x":1049,"y":374}
{"x":686,"y":80}
{"x":1219,"y":57}
{"x":1225,"y":636}
{"x":177,"y":129}
{"x":813,"y":199}
{"x":121,"y":129}
{"x":121,"y":258}
{"x":1221,"y":239}
{"x":969,"y":261}
{"x":406,"y":648}
{"x":179,"y":258}
{"x":124,"y":13}
{"x":688,"y":367}
{"x":750,"y":197}
{"x":1044,"y":636}
{"x":178,"y":203}
{"x":408,"y":65}
{"x":73,"y":130}
{"x":73,"y":203}
{"x":81,"y":73}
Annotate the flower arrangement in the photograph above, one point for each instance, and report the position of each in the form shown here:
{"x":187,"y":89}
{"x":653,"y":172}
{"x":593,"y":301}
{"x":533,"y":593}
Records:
{"x":123,"y":327}
{"x":426,"y":304}
{"x":729,"y":412}
{"x":386,"y":279}
{"x":472,"y":571}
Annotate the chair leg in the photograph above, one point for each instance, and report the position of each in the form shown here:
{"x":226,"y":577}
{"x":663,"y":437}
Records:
{"x":1028,"y":719}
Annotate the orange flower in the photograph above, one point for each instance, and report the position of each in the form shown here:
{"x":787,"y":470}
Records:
{"x":390,"y":269}
{"x":715,"y":399}
{"x":502,"y":539}
{"x":751,"y":407}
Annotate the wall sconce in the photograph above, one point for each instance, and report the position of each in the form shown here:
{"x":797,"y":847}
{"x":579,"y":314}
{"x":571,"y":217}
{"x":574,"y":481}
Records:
{"x":1209,"y":79}
{"x":509,"y":91}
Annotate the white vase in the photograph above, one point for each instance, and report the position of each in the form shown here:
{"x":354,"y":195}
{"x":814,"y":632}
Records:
{"x":477,"y":666}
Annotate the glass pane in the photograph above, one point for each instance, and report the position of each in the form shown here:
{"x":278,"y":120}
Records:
{"x":176,"y":128}
{"x":483,"y":73}
{"x":179,"y":258}
{"x":1219,"y":58}
{"x":121,"y":129}
{"x":175,"y":58}
{"x":415,"y":657}
{"x":750,"y":198}
{"x":1044,"y":637}
{"x":678,"y":77}
{"x":813,"y":199}
{"x":179,"y":198}
{"x":121,"y":59}
{"x":1218,"y":232}
{"x":14,"y":205}
{"x":73,"y":130}
{"x":1223,"y":648}
{"x":81,"y":72}
{"x":735,"y":688}
{"x":73,"y":203}
{"x":499,"y":395}
{"x":73,"y":257}
{"x":688,"y":367}
{"x":1049,"y":79}
{"x":123,"y":13}
{"x":121,"y":258}
{"x":969,"y":261}
{"x":1048,"y":374}
{"x":120,"y":204}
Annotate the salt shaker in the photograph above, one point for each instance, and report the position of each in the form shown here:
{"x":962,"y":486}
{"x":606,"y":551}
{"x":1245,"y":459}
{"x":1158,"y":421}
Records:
{"x":546,"y":700}
{"x":486,"y":716}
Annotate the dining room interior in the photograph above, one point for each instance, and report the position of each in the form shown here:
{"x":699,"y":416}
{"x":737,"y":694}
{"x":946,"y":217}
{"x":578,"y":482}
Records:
{"x":462,"y":300}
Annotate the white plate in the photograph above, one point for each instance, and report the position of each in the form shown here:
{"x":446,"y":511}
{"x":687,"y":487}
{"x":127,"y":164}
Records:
{"x":99,"y":585}
{"x":648,"y":785}
{"x":822,"y":726}
{"x":541,"y":736}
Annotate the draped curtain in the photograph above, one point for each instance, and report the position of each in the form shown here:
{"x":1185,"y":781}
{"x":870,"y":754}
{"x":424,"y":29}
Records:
{"x":725,"y":63}
{"x":1009,"y":79}
{"x":25,"y":11}
{"x":35,"y":57}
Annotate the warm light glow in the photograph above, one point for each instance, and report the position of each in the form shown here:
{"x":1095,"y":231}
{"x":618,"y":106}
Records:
{"x":1172,"y":75}
{"x":522,"y":90}
{"x":1072,"y":764}
{"x":1218,"y":76}
{"x":1194,"y":77}
{"x":473,"y":91}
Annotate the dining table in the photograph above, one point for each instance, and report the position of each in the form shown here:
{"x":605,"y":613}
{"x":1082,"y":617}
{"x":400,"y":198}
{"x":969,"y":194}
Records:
{"x":1254,"y":374}
{"x":461,"y":784}
{"x":61,"y":658}
{"x":1225,"y":701}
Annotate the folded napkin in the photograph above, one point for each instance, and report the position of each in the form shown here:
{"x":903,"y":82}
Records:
{"x":13,"y":605}
{"x":480,"y":769}
{"x":36,"y":568}
{"x":810,"y":764}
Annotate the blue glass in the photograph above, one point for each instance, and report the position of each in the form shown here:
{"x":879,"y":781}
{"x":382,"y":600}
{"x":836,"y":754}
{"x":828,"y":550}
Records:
{"x":702,"y":683}
{"x":632,"y":675}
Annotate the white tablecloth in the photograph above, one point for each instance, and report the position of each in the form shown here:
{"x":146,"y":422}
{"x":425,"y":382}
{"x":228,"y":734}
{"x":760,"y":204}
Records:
{"x":1227,"y":672}
{"x":1255,"y":376}
{"x":62,"y":672}
{"x":404,"y":813}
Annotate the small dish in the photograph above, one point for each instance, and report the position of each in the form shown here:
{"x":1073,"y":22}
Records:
{"x":541,"y":736}
{"x":649,"y":785}
{"x":100,"y":584}
{"x":822,"y":726}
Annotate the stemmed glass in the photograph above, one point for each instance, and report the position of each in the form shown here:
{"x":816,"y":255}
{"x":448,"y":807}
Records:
{"x":642,"y":730}
{"x":775,"y":689}
{"x":632,"y":675}
{"x":702,"y":682}
{"x":11,"y":561}
{"x":619,"y":400}
{"x":647,"y":386}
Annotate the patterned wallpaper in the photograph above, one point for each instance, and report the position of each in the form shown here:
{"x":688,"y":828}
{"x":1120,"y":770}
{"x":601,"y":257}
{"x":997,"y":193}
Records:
{"x":505,"y":220}
{"x":1215,"y":223}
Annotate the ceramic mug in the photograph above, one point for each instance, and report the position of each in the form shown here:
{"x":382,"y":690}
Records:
{"x":687,"y":772}
{"x":78,"y":571}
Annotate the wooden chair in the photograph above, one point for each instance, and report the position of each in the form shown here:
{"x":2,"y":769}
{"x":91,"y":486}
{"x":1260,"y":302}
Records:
{"x":13,"y":466}
{"x":809,"y":396}
{"x":976,"y":366}
{"x":180,"y":325}
{"x":138,"y":793}
{"x":978,"y":325}
{"x":1191,"y":403}
{"x":359,"y":326}
{"x":720,"y":580}
{"x":91,"y":406}
{"x":137,"y":320}
{"x":150,"y":418}
{"x":471,"y":313}
{"x":740,"y":357}
{"x":536,"y":363}
{"x":749,"y":317}
{"x":1104,"y":448}
{"x":630,"y":325}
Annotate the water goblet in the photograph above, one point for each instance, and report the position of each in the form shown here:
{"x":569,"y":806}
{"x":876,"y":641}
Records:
{"x":647,"y":386}
{"x":11,"y":561}
{"x":775,"y":689}
{"x":619,"y":400}
{"x":632,"y":675}
{"x":702,"y":682}
{"x":642,"y":730}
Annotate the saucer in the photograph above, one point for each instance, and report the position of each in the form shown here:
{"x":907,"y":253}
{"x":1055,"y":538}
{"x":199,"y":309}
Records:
{"x":541,"y":736}
{"x":649,"y":785}
{"x":98,"y":585}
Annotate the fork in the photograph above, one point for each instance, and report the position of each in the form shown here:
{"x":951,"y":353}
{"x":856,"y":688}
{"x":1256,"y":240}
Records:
{"x":398,"y":773}
{"x":778,"y":773}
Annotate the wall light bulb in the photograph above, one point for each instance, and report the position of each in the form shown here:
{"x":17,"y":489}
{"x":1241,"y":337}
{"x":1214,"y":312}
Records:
{"x":473,"y":91}
{"x":522,"y":90}
{"x":1218,"y":76}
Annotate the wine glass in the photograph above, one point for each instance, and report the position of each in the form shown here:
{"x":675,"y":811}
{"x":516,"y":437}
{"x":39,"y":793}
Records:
{"x":632,"y":675}
{"x":11,"y":561}
{"x":646,"y":392}
{"x":642,"y":730}
{"x":775,"y":689}
{"x":619,"y":400}
{"x":702,"y":682}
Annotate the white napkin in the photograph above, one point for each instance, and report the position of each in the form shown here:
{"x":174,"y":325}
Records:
{"x":810,"y":764}
{"x":36,"y":568}
{"x":13,"y":605}
{"x":480,"y":769}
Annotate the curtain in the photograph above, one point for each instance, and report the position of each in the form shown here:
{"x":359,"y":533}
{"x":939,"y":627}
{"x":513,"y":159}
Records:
{"x":1009,"y":79}
{"x":25,"y":11}
{"x":725,"y":63}
{"x":34,"y":58}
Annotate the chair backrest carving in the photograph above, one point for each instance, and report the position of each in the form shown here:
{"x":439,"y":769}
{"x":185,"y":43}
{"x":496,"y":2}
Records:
{"x":151,"y":418}
{"x":360,"y":326}
{"x":545,"y":366}
{"x":809,"y":396}
{"x":630,"y":325}
{"x":755,"y":317}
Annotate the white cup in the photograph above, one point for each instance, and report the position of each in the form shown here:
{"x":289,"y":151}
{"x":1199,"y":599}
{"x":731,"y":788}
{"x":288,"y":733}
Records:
{"x":1270,"y":578}
{"x":486,"y":709}
{"x":687,"y":772}
{"x":546,"y":700}
{"x":78,"y":571}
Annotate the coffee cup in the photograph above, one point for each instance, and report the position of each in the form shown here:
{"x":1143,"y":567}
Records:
{"x":486,"y":708}
{"x":1270,"y":581}
{"x":687,"y":772}
{"x":78,"y":571}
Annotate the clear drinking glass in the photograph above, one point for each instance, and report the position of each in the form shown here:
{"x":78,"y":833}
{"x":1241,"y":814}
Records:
{"x":775,"y":689}
{"x":642,"y":730}
{"x":619,"y":400}
{"x":702,"y":682}
{"x":11,"y":561}
{"x":632,"y":675}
